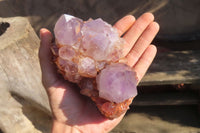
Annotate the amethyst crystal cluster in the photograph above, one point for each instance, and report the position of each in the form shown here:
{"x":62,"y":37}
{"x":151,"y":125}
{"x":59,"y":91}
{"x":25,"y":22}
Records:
{"x":88,"y":53}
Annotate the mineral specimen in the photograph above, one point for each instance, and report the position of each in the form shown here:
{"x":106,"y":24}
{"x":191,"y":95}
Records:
{"x":88,"y":53}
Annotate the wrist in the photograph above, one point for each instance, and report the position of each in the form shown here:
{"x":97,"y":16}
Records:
{"x":59,"y":127}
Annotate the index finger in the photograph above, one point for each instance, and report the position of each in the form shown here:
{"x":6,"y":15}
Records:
{"x":124,"y":24}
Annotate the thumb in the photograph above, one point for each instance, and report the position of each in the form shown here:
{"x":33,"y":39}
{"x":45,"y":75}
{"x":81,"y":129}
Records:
{"x":49,"y":74}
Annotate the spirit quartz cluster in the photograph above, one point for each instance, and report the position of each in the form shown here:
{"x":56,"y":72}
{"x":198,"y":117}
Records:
{"x":87,"y":53}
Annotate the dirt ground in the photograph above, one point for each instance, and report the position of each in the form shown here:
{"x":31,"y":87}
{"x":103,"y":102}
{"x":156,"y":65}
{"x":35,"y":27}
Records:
{"x":177,"y":33}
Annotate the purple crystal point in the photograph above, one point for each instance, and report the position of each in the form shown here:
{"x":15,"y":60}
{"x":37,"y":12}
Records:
{"x":67,"y":30}
{"x":117,"y":83}
{"x":100,"y":40}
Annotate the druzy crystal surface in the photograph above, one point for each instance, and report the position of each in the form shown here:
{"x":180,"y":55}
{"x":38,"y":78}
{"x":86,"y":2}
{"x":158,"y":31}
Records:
{"x":88,"y":53}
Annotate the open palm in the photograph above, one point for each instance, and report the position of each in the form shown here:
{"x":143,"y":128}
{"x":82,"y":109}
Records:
{"x":73,"y":112}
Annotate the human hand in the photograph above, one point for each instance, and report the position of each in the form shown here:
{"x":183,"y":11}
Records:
{"x":73,"y":112}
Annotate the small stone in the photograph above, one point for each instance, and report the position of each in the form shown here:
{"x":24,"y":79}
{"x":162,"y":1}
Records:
{"x":69,"y":70}
{"x":87,"y":68}
{"x":66,"y":53}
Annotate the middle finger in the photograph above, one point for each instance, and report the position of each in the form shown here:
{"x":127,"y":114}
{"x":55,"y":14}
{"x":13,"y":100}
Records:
{"x":136,"y":30}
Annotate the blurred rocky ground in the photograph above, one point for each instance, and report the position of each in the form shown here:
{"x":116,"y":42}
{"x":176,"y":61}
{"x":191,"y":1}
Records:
{"x":179,"y":21}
